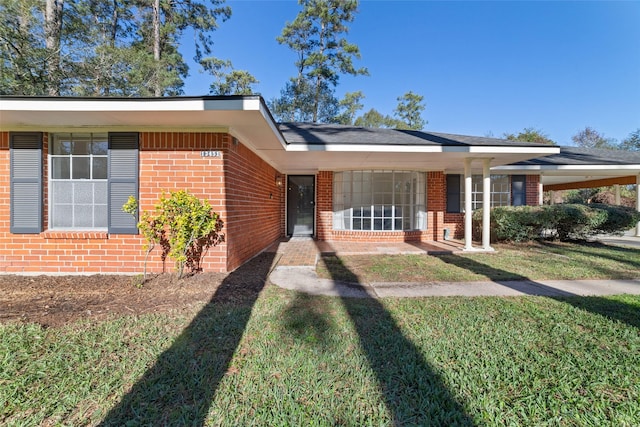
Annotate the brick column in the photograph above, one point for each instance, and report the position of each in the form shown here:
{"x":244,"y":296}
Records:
{"x":324,"y":205}
{"x":436,"y":204}
{"x":533,"y":190}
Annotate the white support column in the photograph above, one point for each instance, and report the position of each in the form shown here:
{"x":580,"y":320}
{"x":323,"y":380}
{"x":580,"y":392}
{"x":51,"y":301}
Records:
{"x":638,"y":203}
{"x":552,"y":197}
{"x":468,"y":211}
{"x":540,"y":192}
{"x":617,"y":194}
{"x":486,"y":205}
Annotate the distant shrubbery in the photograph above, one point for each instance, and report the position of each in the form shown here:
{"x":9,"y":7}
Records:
{"x":563,"y":222}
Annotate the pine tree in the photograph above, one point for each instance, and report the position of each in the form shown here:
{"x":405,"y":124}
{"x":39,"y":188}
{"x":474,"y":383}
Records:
{"x":317,"y":37}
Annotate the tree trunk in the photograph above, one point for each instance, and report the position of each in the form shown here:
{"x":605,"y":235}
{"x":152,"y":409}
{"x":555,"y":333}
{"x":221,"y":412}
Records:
{"x":316,"y":101}
{"x":114,"y":24}
{"x":113,"y":33}
{"x":53,"y":30}
{"x":156,"y":46}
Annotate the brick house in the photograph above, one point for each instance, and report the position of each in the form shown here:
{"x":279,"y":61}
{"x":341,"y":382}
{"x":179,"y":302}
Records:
{"x":67,"y":165}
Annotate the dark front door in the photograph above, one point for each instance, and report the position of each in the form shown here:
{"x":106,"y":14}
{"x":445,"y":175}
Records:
{"x":300,"y":205}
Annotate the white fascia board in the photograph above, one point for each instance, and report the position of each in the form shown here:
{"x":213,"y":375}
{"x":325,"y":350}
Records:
{"x":514,"y":150}
{"x":231,"y":105}
{"x":62,"y":104}
{"x":364,"y":148}
{"x":376,"y":148}
{"x":567,"y":168}
{"x":111,"y":105}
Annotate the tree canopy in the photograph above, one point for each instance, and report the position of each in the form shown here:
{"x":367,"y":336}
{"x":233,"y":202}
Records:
{"x":632,"y":142}
{"x":591,"y":138}
{"x":407,"y":114}
{"x":409,"y":111}
{"x":114,"y":48}
{"x":317,"y":36}
{"x":530,"y":134}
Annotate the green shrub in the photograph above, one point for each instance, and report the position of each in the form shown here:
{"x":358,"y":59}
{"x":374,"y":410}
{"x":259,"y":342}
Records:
{"x":619,"y":218}
{"x":563,"y":221}
{"x":183,"y":225}
{"x":575,"y":221}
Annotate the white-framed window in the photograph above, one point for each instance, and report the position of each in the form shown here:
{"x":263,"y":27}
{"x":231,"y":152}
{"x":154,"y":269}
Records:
{"x":500,"y":191}
{"x":379,"y":200}
{"x":78,"y":181}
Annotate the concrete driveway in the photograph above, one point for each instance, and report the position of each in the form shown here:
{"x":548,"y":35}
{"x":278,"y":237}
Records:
{"x":628,"y":239}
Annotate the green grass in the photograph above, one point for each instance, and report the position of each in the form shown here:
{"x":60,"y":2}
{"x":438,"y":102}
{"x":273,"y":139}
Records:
{"x":509,"y":262}
{"x":294,"y":359}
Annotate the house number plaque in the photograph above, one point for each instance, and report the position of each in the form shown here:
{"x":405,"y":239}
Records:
{"x":209,"y":154}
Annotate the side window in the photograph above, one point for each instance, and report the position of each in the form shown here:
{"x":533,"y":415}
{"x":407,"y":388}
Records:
{"x":78,"y":181}
{"x":453,"y":193}
{"x":519,"y":190}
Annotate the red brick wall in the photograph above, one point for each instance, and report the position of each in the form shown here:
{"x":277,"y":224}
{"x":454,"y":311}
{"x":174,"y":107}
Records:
{"x":171,"y":161}
{"x":168,"y":161}
{"x":533,"y":190}
{"x":254,"y":207}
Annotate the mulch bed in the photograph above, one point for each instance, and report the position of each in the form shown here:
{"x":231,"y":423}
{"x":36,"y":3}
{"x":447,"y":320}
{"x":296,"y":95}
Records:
{"x":57,"y":300}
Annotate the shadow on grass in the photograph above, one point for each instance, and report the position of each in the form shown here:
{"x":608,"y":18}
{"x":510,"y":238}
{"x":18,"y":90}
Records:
{"x":306,"y":317}
{"x":615,"y":310}
{"x":624,"y":255}
{"x":180,"y":387}
{"x":414,"y":392}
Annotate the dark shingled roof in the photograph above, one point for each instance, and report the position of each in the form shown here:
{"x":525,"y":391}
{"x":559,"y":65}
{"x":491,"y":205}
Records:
{"x":326,"y":134}
{"x":576,"y":156}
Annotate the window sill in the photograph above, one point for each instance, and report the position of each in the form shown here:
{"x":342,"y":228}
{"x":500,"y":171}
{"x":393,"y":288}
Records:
{"x":339,"y":230}
{"x":90,"y":235}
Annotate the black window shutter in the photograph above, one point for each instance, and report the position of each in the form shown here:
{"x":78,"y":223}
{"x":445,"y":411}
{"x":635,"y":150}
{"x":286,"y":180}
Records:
{"x":519,"y":190}
{"x":123,"y":180}
{"x":25,"y":153}
{"x":453,"y":193}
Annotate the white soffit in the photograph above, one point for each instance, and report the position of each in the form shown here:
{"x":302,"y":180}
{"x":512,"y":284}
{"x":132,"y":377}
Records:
{"x":245,"y":117}
{"x":311,"y":162}
{"x":564,"y":174}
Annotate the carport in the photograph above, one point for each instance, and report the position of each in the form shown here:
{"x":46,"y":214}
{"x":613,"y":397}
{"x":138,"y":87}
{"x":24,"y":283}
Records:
{"x":576,"y":168}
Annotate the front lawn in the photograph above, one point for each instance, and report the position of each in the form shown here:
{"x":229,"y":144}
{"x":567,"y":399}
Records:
{"x":286,"y":358}
{"x":535,"y":261}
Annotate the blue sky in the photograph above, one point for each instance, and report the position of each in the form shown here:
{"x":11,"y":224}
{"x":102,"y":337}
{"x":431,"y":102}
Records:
{"x":483,"y":67}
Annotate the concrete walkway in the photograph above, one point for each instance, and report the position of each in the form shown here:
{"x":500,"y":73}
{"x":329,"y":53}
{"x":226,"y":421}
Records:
{"x":298,"y":257}
{"x":305,"y":279}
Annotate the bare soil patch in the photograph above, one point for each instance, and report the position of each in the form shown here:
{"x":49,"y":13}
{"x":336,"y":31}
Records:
{"x":58,"y":300}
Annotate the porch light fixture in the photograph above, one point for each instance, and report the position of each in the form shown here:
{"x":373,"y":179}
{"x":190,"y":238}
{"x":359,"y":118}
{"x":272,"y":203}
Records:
{"x":279,"y":180}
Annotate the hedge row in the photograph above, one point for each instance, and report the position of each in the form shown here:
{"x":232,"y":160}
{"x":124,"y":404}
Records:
{"x":563,"y":221}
